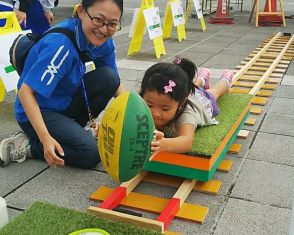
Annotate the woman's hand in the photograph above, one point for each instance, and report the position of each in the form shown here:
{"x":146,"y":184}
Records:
{"x":51,"y":146}
{"x":49,"y":17}
{"x":21,"y":17}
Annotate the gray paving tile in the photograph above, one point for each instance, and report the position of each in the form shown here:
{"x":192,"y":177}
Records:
{"x":223,"y":61}
{"x":278,"y":124}
{"x":281,"y":152}
{"x":285,"y":92}
{"x":266,"y":183}
{"x":288,"y":80}
{"x":244,"y":217}
{"x":14,"y":175}
{"x":13,"y":213}
{"x":282,"y":106}
{"x":67,"y":187}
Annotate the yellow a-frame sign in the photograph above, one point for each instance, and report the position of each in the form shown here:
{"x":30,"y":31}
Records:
{"x":198,"y":12}
{"x":168,"y":22}
{"x":139,"y":30}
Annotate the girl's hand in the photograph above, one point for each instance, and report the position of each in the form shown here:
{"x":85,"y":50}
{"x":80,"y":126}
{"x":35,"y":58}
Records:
{"x":50,"y":145}
{"x":156,"y":144}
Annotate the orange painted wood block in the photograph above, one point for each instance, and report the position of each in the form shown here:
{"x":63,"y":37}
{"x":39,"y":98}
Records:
{"x":225,"y":165}
{"x":259,"y":100}
{"x":210,"y":187}
{"x":264,"y":93}
{"x":154,"y":204}
{"x":255,"y":110}
{"x":235,"y":148}
{"x":250,"y":121}
{"x":249,"y":78}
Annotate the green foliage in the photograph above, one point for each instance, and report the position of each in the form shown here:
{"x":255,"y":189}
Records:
{"x":207,"y":139}
{"x":44,"y":218}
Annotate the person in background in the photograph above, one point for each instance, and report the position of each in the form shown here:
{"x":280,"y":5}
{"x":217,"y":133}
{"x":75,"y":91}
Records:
{"x":34,"y":15}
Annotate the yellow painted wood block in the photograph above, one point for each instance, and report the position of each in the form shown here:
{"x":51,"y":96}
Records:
{"x":235,"y":148}
{"x":264,"y":93}
{"x":154,"y":204}
{"x":277,"y":75}
{"x":250,"y":121}
{"x":259,"y":100}
{"x":243,"y":134}
{"x":239,"y":90}
{"x":269,"y":86}
{"x":249,"y":78}
{"x":255,"y":110}
{"x":273,"y":80}
{"x":225,"y":165}
{"x":210,"y":187}
{"x":244,"y":84}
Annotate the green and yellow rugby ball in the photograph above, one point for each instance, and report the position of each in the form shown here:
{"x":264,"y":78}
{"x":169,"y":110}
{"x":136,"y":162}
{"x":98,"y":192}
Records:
{"x":124,"y":136}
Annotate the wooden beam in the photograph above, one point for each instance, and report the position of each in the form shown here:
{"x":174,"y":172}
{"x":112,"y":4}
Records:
{"x":126,"y":218}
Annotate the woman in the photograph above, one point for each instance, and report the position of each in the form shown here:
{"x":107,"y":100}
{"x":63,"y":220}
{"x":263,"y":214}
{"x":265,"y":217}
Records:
{"x":56,"y":97}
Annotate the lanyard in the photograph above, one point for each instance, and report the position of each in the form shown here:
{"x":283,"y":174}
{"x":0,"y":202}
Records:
{"x":91,"y":121}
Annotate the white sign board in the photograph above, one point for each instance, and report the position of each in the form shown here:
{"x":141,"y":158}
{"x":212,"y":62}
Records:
{"x":7,"y":74}
{"x":178,"y":13}
{"x":153,"y":23}
{"x":198,"y":8}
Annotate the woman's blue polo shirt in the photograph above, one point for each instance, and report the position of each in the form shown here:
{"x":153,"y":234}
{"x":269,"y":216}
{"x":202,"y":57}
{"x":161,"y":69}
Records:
{"x":54,"y":70}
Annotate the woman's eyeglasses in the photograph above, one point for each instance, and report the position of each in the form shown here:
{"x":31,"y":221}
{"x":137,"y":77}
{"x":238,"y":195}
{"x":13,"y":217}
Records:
{"x":98,"y":21}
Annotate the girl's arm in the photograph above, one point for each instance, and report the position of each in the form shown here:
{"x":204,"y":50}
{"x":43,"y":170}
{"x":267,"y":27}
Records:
{"x":180,"y":144}
{"x":27,"y":98}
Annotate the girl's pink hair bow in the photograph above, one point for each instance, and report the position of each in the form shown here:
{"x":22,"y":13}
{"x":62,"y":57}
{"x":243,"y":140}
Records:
{"x":169,"y":87}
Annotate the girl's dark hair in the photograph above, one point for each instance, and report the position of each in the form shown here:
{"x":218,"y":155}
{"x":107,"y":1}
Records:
{"x":181,"y":72}
{"x":88,"y":3}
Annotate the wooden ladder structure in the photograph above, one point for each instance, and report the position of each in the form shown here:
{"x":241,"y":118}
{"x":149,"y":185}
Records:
{"x":270,"y":13}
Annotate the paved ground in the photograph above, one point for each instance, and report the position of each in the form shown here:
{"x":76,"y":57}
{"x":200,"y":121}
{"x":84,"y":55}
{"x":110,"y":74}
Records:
{"x":256,"y":195}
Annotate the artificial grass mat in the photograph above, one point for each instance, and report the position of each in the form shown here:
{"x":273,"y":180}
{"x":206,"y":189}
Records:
{"x":43,"y":218}
{"x":207,"y":139}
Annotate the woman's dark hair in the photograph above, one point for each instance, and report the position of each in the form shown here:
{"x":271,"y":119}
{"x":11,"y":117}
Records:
{"x":88,"y":3}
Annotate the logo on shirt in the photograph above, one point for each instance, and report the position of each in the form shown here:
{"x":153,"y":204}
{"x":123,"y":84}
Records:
{"x":52,"y":68}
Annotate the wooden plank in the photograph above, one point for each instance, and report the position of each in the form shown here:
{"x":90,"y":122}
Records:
{"x":250,"y":121}
{"x":126,"y":218}
{"x":210,"y":187}
{"x":243,"y":134}
{"x":154,"y":204}
{"x":255,"y":110}
{"x":259,"y":100}
{"x":269,"y":86}
{"x":264,"y":93}
{"x":239,"y":90}
{"x":225,"y":166}
{"x":235,"y":148}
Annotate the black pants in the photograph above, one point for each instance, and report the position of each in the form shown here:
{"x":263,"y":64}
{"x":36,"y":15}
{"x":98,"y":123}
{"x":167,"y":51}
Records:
{"x":80,"y":148}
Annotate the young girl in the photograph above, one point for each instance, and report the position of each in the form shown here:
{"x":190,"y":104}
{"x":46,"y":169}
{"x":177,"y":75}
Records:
{"x":177,"y":105}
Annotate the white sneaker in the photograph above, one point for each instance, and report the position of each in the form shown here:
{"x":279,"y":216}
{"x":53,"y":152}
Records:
{"x":15,"y":148}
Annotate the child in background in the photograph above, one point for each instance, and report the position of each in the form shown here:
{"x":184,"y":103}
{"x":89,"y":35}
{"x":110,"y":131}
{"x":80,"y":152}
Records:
{"x":177,"y":105}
